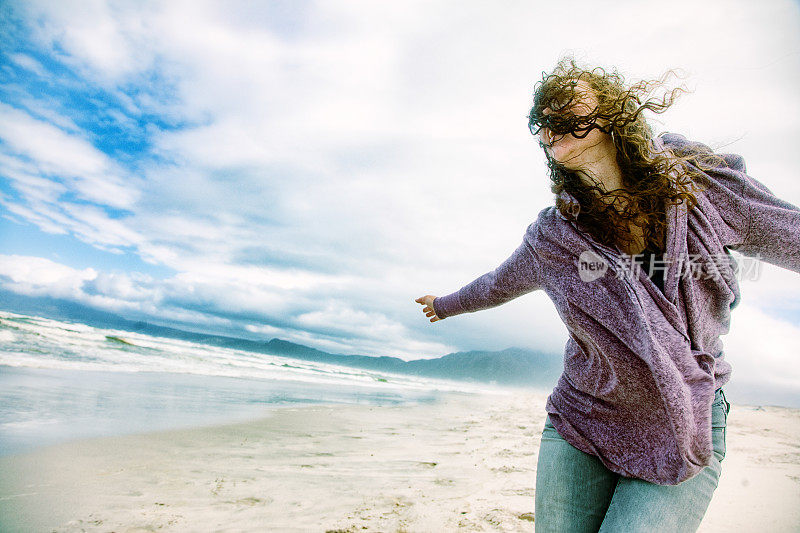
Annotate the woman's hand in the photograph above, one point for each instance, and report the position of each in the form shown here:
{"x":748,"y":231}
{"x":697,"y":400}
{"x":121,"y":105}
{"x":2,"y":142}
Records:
{"x":427,"y":302}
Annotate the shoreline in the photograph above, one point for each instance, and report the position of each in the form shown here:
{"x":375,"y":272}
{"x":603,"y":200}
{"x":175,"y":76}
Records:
{"x":48,"y":406}
{"x":463,"y":462}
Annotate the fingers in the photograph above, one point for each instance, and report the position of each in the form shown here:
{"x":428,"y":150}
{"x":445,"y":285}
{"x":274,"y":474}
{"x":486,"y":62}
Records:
{"x":427,"y":302}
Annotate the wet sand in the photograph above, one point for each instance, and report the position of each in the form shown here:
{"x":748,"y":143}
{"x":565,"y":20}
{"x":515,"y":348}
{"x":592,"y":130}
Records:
{"x":465,"y":463}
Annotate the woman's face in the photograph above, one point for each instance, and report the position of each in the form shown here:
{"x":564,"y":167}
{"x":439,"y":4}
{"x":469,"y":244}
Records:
{"x":572,"y":152}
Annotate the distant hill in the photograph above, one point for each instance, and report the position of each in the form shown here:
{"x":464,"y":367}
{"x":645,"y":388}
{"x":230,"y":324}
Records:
{"x":513,"y":366}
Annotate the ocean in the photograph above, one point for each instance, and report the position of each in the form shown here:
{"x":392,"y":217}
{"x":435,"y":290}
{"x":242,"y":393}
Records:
{"x":63,"y":381}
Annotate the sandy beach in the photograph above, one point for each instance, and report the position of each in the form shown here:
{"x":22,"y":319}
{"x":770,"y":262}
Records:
{"x":465,"y":463}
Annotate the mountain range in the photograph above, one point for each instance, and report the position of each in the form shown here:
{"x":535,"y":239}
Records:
{"x":510,"y":367}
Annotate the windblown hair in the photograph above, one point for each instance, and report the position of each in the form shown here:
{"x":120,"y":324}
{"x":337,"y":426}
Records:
{"x":652,"y":179}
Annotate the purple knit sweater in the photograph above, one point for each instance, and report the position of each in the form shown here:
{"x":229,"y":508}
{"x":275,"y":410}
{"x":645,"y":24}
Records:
{"x":641,"y":365}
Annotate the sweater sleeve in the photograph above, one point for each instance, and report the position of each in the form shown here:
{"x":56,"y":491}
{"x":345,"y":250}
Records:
{"x":770,"y":226}
{"x":516,"y":276}
{"x":750,"y":218}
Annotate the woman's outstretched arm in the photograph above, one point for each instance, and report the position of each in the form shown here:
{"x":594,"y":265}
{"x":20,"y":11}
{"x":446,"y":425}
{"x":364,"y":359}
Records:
{"x":772,"y":230}
{"x":768,"y":227}
{"x":749,"y":217}
{"x":517,"y":275}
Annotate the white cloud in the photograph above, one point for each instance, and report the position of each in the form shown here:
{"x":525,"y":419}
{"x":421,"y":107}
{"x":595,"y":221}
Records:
{"x":48,"y":112}
{"x":94,"y":226}
{"x":54,"y":150}
{"x":756,"y":361}
{"x":24,"y":214}
{"x":29,"y":63}
{"x":95,"y":34}
{"x":125,"y":287}
{"x":770,"y":288}
{"x":34,"y":188}
{"x":37,"y":276}
{"x":263,"y":329}
{"x":89,"y":172}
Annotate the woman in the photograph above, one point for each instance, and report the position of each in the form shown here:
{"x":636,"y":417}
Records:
{"x":635,"y":431}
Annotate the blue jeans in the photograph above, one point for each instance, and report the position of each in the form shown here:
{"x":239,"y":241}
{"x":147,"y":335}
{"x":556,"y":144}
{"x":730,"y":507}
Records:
{"x":575,"y":492}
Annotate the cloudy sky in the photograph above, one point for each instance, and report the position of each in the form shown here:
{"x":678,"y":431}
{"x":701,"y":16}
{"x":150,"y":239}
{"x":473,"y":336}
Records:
{"x":304,"y":170}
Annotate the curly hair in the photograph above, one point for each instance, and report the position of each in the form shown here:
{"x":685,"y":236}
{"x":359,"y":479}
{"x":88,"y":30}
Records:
{"x":652,"y":179}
